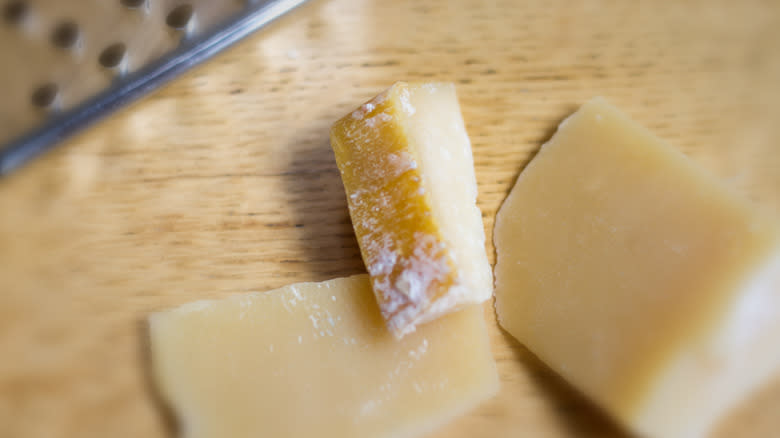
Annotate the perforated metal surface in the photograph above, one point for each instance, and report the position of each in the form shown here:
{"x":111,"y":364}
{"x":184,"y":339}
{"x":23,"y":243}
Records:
{"x":63,"y":64}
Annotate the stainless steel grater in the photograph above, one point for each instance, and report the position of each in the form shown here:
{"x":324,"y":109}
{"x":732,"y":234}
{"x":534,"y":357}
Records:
{"x":65,"y":64}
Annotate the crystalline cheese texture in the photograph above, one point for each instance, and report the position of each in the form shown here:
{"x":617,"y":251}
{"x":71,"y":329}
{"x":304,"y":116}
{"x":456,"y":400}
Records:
{"x":316,"y":360}
{"x":638,"y":278}
{"x":406,"y":164}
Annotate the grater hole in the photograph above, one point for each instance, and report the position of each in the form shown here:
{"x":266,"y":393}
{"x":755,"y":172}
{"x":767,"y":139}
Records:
{"x":45,"y":95}
{"x":112,"y":55}
{"x":15,"y":12}
{"x":65,"y":35}
{"x":133,"y":4}
{"x":180,"y":17}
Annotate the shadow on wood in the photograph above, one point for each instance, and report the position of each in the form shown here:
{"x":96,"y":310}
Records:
{"x":327,"y":243}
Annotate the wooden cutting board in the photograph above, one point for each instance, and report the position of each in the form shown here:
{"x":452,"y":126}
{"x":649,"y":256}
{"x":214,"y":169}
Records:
{"x":224,"y":182}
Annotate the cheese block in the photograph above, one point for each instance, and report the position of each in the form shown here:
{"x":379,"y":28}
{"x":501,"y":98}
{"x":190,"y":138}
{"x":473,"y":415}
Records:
{"x":405,"y":160}
{"x":315,"y":359}
{"x":637,"y":277}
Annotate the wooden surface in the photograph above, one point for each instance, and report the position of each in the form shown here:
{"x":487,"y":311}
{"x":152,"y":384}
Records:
{"x":224,"y":181}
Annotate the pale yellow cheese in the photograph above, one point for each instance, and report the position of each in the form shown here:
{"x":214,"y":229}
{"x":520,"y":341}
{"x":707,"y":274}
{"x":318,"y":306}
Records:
{"x":637,"y":277}
{"x":316,"y":360}
{"x":406,"y":164}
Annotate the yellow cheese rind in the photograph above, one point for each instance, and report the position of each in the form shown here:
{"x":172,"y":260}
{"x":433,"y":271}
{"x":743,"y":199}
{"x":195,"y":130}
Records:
{"x":315,"y":359}
{"x":620,"y":264}
{"x":407,"y":169}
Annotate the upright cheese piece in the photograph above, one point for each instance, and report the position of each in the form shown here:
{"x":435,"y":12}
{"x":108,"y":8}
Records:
{"x":315,"y":360}
{"x":637,"y":277}
{"x":406,"y":164}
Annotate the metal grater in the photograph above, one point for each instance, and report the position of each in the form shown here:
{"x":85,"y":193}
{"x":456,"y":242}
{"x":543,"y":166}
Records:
{"x":66,"y":64}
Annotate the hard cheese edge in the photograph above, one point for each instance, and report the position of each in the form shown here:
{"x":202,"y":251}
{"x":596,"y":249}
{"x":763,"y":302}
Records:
{"x":315,"y":359}
{"x":637,"y":277}
{"x":406,"y":164}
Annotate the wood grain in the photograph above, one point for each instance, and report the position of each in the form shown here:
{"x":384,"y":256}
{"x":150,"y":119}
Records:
{"x":224,"y":181}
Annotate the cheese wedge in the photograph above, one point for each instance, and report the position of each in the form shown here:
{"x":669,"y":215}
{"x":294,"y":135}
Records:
{"x":405,"y":160}
{"x":315,"y":359}
{"x":637,"y":277}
